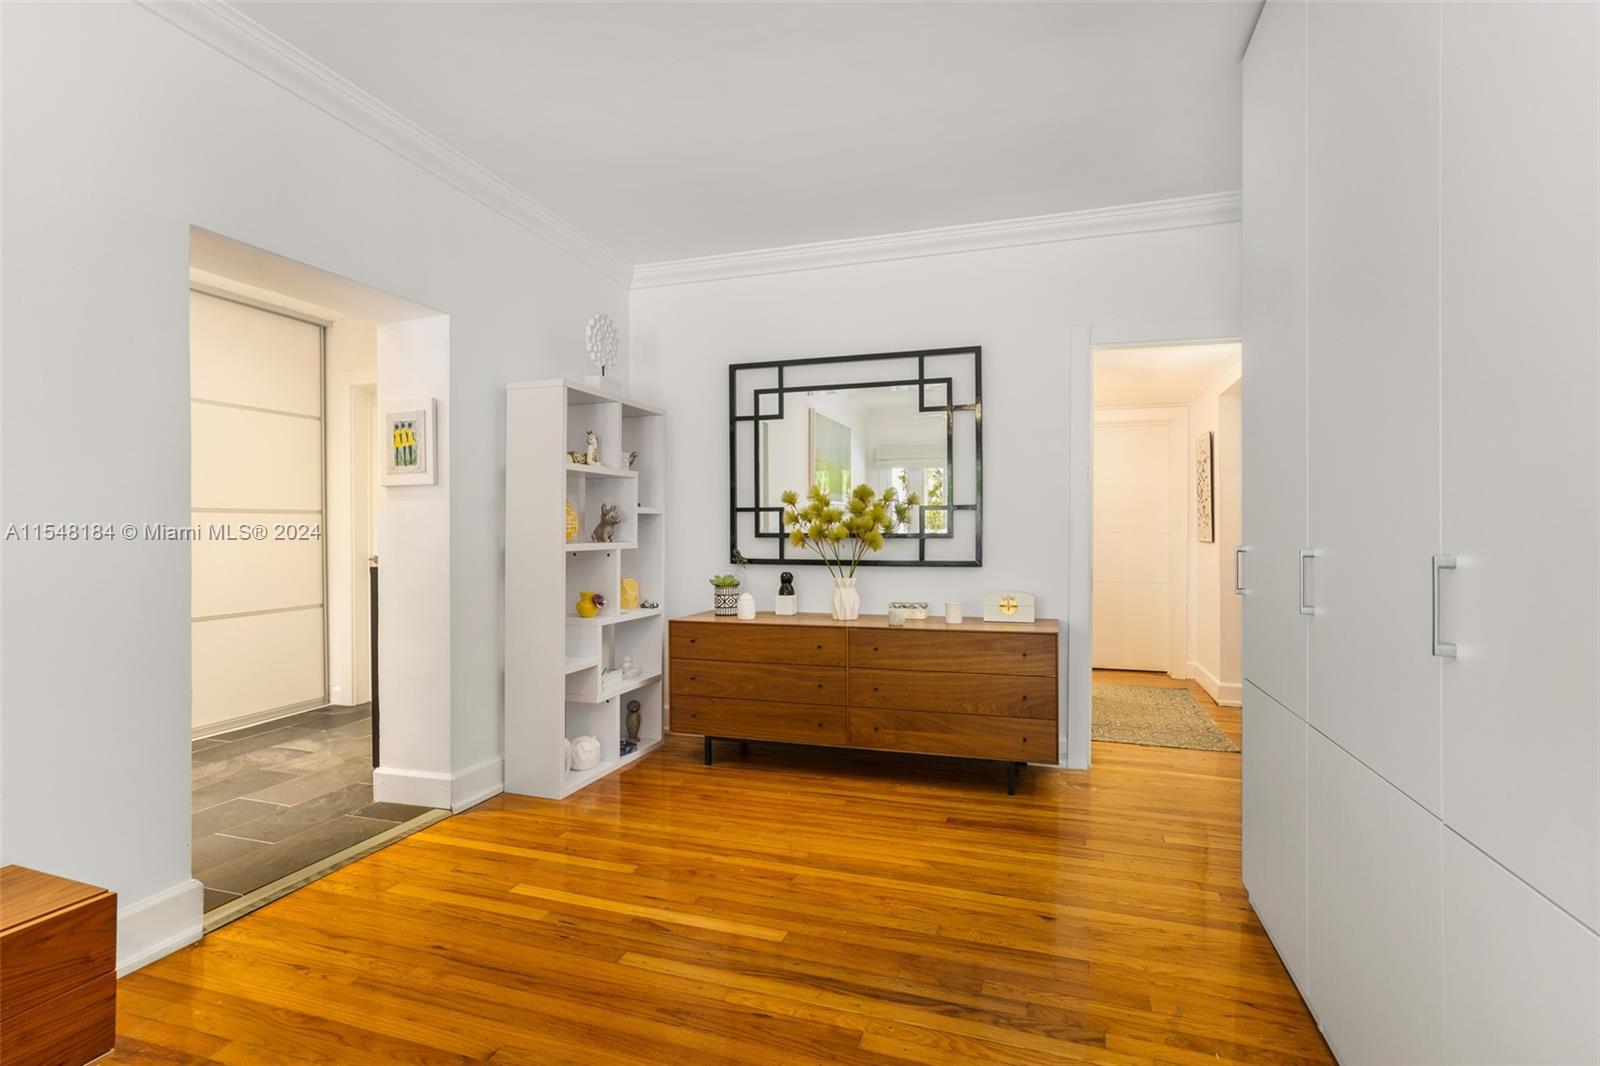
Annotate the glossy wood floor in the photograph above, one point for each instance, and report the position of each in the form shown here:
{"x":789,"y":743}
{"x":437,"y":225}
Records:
{"x":795,"y":906}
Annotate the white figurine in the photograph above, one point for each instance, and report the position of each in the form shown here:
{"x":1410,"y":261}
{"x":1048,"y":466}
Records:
{"x":591,"y":453}
{"x":585,"y":753}
{"x":628,"y":669}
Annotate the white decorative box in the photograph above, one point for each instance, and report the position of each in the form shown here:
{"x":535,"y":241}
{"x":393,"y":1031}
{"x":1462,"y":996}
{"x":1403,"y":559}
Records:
{"x":1008,"y":607}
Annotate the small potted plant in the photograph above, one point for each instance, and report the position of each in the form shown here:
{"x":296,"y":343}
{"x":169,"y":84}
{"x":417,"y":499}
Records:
{"x":843,"y":534}
{"x":725,"y":594}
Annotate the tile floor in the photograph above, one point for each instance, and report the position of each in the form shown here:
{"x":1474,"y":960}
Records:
{"x":274,"y":798}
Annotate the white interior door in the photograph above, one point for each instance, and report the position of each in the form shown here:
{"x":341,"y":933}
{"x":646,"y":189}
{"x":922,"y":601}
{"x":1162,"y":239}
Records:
{"x":1134,"y":537}
{"x":256,"y":619}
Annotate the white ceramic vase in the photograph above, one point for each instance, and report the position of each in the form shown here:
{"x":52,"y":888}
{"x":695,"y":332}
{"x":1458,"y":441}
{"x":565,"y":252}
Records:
{"x":846,"y":600}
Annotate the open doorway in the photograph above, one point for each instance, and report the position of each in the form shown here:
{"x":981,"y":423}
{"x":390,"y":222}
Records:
{"x":1165,"y":619}
{"x":286,"y":472}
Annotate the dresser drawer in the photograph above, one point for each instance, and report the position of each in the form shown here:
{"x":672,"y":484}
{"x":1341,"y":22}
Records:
{"x":822,"y":686}
{"x":760,"y":720}
{"x":1014,"y":695}
{"x":954,"y":651}
{"x":757,"y":643}
{"x":971,"y":735}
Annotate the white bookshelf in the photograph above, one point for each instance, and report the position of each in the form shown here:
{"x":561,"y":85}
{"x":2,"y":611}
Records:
{"x":556,"y":661}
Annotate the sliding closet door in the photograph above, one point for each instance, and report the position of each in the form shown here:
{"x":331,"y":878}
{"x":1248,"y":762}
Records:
{"x":1373,"y":195}
{"x":1274,"y":381}
{"x":1521,"y":387}
{"x":256,"y":461}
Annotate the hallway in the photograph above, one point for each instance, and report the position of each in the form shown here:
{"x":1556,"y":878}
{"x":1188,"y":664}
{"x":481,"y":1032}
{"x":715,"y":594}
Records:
{"x":274,"y":798}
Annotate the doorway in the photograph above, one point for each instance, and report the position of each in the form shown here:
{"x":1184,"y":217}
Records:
{"x":1166,"y":504}
{"x":287,"y":510}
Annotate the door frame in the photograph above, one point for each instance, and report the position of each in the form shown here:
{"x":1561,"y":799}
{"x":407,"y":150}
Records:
{"x":1076,"y":728}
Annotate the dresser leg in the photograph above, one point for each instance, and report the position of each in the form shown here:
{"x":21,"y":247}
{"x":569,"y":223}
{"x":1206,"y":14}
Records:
{"x":1011,"y":778}
{"x":708,"y":751}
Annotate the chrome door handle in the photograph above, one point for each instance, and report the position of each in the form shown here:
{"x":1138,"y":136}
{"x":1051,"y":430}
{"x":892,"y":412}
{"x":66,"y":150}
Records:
{"x":1441,"y":649}
{"x":1306,"y":554}
{"x":1238,"y":570}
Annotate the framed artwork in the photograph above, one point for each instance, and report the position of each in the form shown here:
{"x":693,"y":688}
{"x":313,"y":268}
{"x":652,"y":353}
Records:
{"x":409,"y":450}
{"x":1205,"y":525}
{"x":830,"y":456}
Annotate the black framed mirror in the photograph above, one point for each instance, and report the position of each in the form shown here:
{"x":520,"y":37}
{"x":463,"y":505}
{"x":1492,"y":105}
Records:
{"x":908,"y":420}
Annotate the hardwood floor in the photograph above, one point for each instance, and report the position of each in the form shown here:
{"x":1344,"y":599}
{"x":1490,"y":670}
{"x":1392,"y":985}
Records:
{"x":794,"y":906}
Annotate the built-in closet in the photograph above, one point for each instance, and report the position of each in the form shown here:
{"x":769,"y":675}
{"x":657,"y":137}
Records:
{"x":1422,"y":523}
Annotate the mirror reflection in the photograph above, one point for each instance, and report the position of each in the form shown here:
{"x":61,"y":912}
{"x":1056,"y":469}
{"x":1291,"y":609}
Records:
{"x":841,"y":437}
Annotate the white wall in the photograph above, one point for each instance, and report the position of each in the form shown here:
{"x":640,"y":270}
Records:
{"x":352,"y":370}
{"x":1214,"y":619}
{"x":1020,"y":304}
{"x":122,"y":131}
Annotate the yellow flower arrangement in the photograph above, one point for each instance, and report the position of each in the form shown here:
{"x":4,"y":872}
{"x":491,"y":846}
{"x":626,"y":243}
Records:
{"x":841,"y":535}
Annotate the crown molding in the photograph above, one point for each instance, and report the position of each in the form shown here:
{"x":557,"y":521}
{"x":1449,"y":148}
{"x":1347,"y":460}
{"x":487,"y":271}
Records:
{"x":1208,"y":210}
{"x":242,"y":39}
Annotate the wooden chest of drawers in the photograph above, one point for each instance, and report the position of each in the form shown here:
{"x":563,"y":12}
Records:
{"x":58,"y":969}
{"x":977,"y":690}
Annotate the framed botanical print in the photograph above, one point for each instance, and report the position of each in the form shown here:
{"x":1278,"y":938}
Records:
{"x":1205,"y":523}
{"x":409,"y":448}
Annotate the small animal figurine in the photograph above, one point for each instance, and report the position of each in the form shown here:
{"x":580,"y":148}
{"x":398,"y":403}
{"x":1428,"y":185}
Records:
{"x":610,"y":519}
{"x":629,"y":670}
{"x":628,"y":460}
{"x":577,"y":458}
{"x":591,"y":453}
{"x":786,"y":583}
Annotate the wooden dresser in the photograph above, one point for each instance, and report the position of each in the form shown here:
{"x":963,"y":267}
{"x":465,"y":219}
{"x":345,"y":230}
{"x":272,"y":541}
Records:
{"x":58,"y":969}
{"x":978,"y":690}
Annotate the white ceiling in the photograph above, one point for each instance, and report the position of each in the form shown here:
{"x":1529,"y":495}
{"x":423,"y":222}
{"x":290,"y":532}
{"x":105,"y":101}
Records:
{"x":1138,"y":377}
{"x":672,"y":130}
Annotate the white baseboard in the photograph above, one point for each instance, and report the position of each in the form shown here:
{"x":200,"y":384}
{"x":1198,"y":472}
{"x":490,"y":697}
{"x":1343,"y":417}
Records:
{"x":1225,"y":695}
{"x":159,"y":925}
{"x":433,"y":788}
{"x":477,"y":783}
{"x":415,"y":788}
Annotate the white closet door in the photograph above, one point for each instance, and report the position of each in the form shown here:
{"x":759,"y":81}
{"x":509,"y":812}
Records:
{"x":1274,"y":382}
{"x":257,"y":640}
{"x":1521,"y":977}
{"x":1521,"y":450}
{"x":1373,"y":115}
{"x":1374,"y":907}
{"x":1274,"y":811}
{"x":1133,"y":544}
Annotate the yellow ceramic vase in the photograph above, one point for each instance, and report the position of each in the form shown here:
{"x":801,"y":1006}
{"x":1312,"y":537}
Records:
{"x":587,"y":608}
{"x":630,"y":594}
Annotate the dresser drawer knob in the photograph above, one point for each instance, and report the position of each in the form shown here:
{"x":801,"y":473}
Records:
{"x":819,"y":725}
{"x":819,"y":647}
{"x":1024,"y":695}
{"x":694,"y":714}
{"x":874,"y":729}
{"x":819,"y":684}
{"x":692,"y":640}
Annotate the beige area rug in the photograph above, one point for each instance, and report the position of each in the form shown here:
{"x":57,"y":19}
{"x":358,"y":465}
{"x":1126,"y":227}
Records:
{"x":1158,"y":717}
